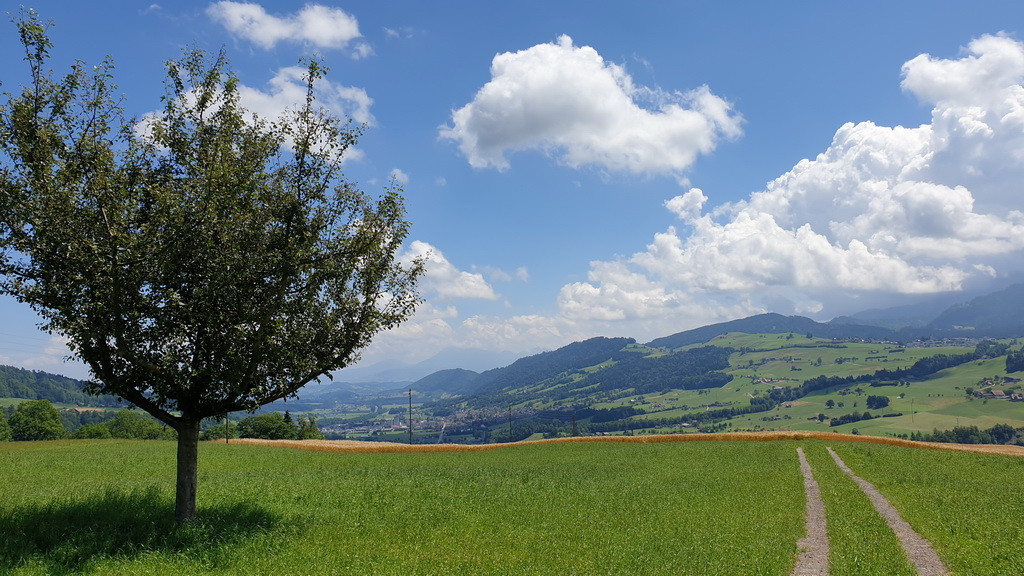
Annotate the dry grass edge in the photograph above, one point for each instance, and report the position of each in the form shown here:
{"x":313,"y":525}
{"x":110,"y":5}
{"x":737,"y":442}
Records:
{"x":361,"y":447}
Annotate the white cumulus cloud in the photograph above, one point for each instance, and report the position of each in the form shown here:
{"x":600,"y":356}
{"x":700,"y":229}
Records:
{"x":569,"y":102}
{"x":443,"y":279}
{"x":317,"y":25}
{"x":881,"y":213}
{"x":891,"y":210}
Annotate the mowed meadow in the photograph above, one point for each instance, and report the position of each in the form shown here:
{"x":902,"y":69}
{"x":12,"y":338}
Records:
{"x":655,"y":507}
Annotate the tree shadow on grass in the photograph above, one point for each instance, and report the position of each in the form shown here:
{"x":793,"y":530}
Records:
{"x":66,"y":536}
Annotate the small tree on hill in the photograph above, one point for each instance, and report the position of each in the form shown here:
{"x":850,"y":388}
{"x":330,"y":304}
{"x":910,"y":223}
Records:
{"x":308,"y":430}
{"x":1015,"y":361}
{"x":877,"y":402}
{"x":5,"y":429}
{"x":36,"y":420}
{"x":202,"y":262}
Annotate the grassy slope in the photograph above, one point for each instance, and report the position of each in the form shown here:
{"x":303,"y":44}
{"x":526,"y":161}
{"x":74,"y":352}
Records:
{"x":939,"y":402}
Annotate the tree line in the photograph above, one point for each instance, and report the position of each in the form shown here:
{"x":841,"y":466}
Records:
{"x":41,"y":420}
{"x":998,"y":434}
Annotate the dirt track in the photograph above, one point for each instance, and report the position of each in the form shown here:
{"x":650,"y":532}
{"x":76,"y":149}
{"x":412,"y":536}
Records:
{"x":919,"y":551}
{"x":814,"y":547}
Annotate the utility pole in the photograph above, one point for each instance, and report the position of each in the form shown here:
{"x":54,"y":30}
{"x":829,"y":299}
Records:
{"x":410,"y":415}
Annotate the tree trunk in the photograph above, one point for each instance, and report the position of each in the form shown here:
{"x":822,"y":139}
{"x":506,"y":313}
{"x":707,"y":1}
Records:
{"x":188,"y":465}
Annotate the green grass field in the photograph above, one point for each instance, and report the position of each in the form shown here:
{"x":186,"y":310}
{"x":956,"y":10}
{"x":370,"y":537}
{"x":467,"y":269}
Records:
{"x":719,"y":507}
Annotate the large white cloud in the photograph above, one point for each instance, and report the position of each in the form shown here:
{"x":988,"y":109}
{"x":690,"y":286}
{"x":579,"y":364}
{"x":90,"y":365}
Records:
{"x":884,"y":210}
{"x":568,"y":101}
{"x":314,"y":24}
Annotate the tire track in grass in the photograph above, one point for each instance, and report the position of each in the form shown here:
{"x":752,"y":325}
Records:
{"x":860,"y":541}
{"x":918,"y":550}
{"x":813,"y":557}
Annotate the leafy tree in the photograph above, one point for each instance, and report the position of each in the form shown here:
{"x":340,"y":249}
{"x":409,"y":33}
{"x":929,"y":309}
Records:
{"x":830,"y":403}
{"x":877,"y":402}
{"x":135,"y":426}
{"x":1015,"y":361}
{"x":1002,"y":433}
{"x":308,"y":430}
{"x":36,"y":420}
{"x":5,"y":429}
{"x":219,"y":431}
{"x":269,"y":426}
{"x":204,"y":261}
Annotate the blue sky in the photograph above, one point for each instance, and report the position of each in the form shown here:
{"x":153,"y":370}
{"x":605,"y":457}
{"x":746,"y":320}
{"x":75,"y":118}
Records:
{"x":575,"y":169}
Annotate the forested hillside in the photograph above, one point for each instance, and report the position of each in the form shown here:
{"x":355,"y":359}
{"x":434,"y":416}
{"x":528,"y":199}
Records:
{"x":539,"y":367}
{"x":32,"y":385}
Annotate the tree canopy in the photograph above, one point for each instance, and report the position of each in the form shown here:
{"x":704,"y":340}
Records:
{"x":269,"y":426}
{"x":200,"y":261}
{"x":5,"y":429}
{"x":36,"y":420}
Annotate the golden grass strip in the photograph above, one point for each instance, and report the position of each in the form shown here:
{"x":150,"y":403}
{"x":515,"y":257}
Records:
{"x":361,"y":447}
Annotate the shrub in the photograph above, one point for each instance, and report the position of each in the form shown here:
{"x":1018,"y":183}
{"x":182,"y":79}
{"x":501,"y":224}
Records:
{"x":92,"y":431}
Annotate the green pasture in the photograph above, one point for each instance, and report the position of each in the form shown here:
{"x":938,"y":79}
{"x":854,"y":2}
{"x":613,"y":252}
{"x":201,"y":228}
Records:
{"x":965,"y":504}
{"x":720,"y":507}
{"x":766,"y":360}
{"x":105,"y":508}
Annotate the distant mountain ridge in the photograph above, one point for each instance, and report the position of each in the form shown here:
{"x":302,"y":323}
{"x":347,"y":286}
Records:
{"x":770,"y":323}
{"x":995,"y":315}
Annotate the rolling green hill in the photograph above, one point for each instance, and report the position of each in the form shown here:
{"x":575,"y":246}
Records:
{"x":766,"y":372}
{"x":18,"y":384}
{"x":761,"y":382}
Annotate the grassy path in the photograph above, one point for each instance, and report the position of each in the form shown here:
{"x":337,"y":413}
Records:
{"x":918,"y":550}
{"x":860,"y":542}
{"x":814,"y":549}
